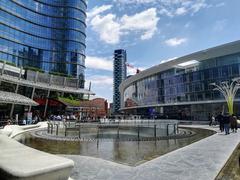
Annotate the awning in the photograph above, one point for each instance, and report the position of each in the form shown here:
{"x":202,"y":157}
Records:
{"x":13,"y":98}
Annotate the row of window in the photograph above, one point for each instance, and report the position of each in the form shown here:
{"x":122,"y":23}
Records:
{"x":71,"y":3}
{"x":66,"y":68}
{"x":12,"y":45}
{"x":23,"y":37}
{"x":31,"y":16}
{"x":30,"y":37}
{"x":34,"y":55}
{"x":11,"y":15}
{"x":35,"y":29}
{"x":190,"y":86}
{"x":207,"y":74}
{"x":51,"y":10}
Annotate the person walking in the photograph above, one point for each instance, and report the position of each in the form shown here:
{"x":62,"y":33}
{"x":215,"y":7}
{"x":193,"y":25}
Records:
{"x":213,"y":121}
{"x":219,"y":118}
{"x":210,"y":119}
{"x":234,"y":123}
{"x":226,"y":120}
{"x":231,"y":119}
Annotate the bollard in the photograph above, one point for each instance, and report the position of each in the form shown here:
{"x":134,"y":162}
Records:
{"x":155,"y":131}
{"x":118,"y":132}
{"x":65,"y":130}
{"x":56,"y":129}
{"x":138,"y":133}
{"x":48,"y":127}
{"x":51,"y":128}
{"x":79,"y":132}
{"x":167,"y":129}
{"x":98,"y":132}
{"x":175,"y":129}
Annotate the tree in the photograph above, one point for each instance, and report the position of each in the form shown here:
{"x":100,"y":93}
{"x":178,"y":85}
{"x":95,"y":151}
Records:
{"x":229,"y":91}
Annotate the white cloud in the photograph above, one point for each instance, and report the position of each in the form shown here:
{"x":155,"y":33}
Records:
{"x":111,"y":29}
{"x":102,"y":80}
{"x":169,"y":8}
{"x":107,"y":28}
{"x":145,"y":21}
{"x":195,"y":7}
{"x":99,"y":63}
{"x":181,"y":11}
{"x":175,"y":41}
{"x":97,"y":10}
{"x":164,"y":11}
{"x":134,"y":1}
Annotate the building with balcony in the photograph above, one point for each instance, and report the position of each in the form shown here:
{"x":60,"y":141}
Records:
{"x":119,"y":75}
{"x":180,"y":88}
{"x":42,"y":49}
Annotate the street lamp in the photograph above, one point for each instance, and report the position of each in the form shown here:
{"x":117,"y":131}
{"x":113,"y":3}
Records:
{"x":228,"y":90}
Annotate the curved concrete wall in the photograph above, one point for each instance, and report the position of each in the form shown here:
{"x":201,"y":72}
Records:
{"x":21,"y":162}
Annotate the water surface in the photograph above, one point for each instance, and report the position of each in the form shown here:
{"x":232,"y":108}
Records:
{"x":125,"y":152}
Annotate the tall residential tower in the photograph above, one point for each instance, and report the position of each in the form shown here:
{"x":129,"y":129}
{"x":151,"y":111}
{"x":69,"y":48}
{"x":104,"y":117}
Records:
{"x":119,"y":74}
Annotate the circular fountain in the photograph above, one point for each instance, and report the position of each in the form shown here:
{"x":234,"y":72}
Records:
{"x":121,"y":130}
{"x":124,"y":141}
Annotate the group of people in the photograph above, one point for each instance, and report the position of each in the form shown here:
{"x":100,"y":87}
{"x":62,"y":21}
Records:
{"x":62,"y":117}
{"x":225,"y":122}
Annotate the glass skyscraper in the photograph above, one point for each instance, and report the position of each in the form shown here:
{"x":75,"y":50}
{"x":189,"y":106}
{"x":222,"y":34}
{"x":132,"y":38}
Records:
{"x":45,"y":34}
{"x":119,"y":75}
{"x":181,"y":88}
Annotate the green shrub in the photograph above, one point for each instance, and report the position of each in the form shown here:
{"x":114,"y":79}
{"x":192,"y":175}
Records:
{"x":60,"y":74}
{"x":33,"y":69}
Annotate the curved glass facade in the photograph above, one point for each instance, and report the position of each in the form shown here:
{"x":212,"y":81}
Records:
{"x":46,"y":34}
{"x":183,"y":85}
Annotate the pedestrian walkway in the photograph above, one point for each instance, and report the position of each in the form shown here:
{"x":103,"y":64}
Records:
{"x":202,"y":160}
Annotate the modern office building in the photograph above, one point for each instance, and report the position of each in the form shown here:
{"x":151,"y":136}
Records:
{"x":42,"y":48}
{"x":119,"y":74}
{"x":46,"y":34}
{"x":181,"y":88}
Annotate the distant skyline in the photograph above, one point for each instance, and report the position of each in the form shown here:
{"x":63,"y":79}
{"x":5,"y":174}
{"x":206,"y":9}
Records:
{"x":152,"y":31}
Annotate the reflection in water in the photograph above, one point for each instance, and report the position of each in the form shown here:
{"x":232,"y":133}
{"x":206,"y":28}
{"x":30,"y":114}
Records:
{"x":125,"y":152}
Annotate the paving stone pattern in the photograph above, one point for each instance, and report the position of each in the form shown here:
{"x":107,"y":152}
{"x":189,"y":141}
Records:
{"x":201,"y":160}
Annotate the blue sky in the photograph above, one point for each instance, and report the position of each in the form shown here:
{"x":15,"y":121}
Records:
{"x":153,"y":31}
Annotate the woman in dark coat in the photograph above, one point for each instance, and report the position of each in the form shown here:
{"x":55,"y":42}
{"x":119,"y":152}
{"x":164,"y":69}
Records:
{"x":233,"y":121}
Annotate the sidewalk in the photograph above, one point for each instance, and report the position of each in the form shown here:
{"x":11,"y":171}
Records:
{"x":202,"y":160}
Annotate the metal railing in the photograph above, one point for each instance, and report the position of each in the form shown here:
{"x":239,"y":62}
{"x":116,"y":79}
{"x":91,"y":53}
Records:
{"x":153,"y":125}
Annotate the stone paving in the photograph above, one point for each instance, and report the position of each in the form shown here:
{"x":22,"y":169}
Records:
{"x":201,"y":160}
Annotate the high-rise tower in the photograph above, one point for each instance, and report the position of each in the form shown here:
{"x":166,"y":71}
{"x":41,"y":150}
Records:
{"x":119,"y":74}
{"x":45,"y":34}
